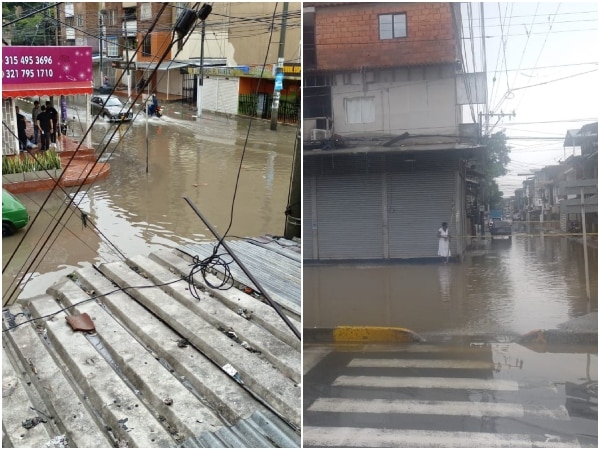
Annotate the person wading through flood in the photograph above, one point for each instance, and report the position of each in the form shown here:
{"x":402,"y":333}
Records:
{"x":444,"y":241}
{"x":45,"y":125}
{"x":21,"y":129}
{"x":53,"y":113}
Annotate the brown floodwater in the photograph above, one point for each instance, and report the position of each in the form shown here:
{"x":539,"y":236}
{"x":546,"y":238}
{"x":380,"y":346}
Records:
{"x":140,"y":206}
{"x":510,"y":288}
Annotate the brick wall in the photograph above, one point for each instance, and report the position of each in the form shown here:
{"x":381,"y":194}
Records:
{"x":347,"y":36}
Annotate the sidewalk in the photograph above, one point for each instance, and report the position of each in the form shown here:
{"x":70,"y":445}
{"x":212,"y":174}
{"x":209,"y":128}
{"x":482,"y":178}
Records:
{"x":78,"y":168}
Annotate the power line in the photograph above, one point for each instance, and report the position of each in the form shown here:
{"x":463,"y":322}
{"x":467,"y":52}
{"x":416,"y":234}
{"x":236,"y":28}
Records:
{"x":553,"y":81}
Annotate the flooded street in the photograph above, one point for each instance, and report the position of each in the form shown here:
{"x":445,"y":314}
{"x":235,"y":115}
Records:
{"x":507,"y":289}
{"x":140,"y":206}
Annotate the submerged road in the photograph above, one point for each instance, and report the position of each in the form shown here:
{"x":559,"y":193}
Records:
{"x":469,"y":394}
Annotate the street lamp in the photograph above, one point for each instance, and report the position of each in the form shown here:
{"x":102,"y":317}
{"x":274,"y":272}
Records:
{"x":202,"y":15}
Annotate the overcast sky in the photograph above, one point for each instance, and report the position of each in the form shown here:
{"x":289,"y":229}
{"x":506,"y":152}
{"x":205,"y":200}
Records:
{"x":537,"y":58}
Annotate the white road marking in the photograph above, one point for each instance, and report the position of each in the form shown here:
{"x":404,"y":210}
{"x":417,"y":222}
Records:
{"x":422,"y":364}
{"x":427,"y":383}
{"x":373,"y":437}
{"x":458,"y":408}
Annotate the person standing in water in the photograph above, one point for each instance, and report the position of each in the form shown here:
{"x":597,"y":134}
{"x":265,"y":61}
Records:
{"x":444,"y":241}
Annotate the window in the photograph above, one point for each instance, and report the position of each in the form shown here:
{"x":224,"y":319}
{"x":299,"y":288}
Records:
{"x":112,"y":46}
{"x":360,"y":110}
{"x":392,"y":26}
{"x":146,"y":11}
{"x":309,"y":48}
{"x":147,"y":48}
{"x":111,"y":17}
{"x":317,"y":96}
{"x":79,"y":20}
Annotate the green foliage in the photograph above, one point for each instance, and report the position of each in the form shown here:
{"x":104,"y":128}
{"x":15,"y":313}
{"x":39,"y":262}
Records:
{"x":10,"y":165}
{"x":497,"y":155}
{"x":38,"y":29}
{"x":48,"y":160}
{"x":494,"y":163}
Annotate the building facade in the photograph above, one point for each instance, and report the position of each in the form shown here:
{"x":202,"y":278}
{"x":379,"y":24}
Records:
{"x":238,"y":36}
{"x":385,"y":147}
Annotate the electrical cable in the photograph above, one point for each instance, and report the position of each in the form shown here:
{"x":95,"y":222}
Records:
{"x":246,"y":140}
{"x":122,"y":289}
{"x":90,"y":171}
{"x":248,"y":132}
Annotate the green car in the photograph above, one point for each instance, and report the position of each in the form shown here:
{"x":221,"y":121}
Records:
{"x":14,"y":214}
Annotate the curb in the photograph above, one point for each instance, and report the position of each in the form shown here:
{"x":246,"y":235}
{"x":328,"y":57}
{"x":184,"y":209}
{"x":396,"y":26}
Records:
{"x":548,"y":340}
{"x":354,"y":334}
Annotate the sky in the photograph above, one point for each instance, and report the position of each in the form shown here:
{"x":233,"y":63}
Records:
{"x":542,"y":65}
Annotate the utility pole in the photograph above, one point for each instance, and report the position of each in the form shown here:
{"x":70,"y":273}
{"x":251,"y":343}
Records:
{"x":294,"y":209}
{"x":279,"y":73}
{"x":58,"y":32}
{"x":100,"y":48}
{"x":127,"y":59}
{"x":202,"y":15}
{"x":484,"y":57}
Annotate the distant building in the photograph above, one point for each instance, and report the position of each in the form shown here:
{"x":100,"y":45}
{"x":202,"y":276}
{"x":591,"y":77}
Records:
{"x":558,"y":193}
{"x":237,"y":38}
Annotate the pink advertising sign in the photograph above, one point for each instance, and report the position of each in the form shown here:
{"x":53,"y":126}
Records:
{"x":53,"y":69}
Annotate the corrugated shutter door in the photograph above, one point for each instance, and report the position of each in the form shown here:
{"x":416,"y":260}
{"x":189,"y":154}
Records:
{"x":418,"y":203}
{"x":220,"y":95}
{"x":209,"y":94}
{"x":349,"y":212}
{"x":227,"y":95}
{"x":307,"y":220}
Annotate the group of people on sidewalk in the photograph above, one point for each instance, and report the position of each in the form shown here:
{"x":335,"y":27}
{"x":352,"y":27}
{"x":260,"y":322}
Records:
{"x":45,"y":126}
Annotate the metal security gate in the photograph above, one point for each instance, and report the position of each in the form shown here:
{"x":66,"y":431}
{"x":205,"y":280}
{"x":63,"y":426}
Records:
{"x":418,"y":203}
{"x":307,"y":218}
{"x":188,"y":88}
{"x":221,"y":95}
{"x":349,"y":217}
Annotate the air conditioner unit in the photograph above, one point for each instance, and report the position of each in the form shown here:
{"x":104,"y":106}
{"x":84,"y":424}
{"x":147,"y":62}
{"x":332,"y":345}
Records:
{"x":318,"y":135}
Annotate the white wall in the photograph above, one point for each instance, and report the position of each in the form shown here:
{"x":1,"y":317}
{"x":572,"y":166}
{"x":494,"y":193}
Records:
{"x":415,"y":100}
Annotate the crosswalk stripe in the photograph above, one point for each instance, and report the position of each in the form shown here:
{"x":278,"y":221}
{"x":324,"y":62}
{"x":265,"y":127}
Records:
{"x":373,"y":437}
{"x":421,"y":364}
{"x":427,"y":383}
{"x":458,"y":408}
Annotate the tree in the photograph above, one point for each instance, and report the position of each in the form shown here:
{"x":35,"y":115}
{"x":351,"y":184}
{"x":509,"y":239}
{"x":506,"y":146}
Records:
{"x":496,"y":158}
{"x":37,"y":29}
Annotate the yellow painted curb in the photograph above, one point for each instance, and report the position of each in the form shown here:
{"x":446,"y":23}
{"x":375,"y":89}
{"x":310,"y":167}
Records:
{"x":374,"y":334}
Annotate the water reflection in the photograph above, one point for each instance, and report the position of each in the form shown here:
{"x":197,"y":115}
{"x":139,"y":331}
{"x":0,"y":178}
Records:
{"x":510,"y":289}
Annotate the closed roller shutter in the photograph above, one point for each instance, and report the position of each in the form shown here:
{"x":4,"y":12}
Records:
{"x":307,"y":219}
{"x":220,"y":95}
{"x":349,"y":211}
{"x":418,"y":202}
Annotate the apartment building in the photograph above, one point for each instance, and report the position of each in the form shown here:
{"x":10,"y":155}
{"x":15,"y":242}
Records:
{"x":385,"y":146}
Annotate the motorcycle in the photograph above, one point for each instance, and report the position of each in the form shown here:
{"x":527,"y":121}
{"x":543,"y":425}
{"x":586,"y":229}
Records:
{"x":155,"y":110}
{"x":574,"y":227}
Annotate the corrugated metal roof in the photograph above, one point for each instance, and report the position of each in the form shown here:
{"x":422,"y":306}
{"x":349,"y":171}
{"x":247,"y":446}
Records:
{"x":162,"y":369}
{"x":274,"y":263}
